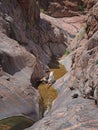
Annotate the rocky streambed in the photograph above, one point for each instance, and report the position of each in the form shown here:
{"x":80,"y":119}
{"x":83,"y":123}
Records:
{"x":28,"y":41}
{"x":48,"y":95}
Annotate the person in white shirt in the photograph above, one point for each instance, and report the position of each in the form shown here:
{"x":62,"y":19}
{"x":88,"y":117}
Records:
{"x":51,"y":78}
{"x":48,"y":78}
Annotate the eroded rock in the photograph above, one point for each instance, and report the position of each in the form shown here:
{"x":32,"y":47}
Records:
{"x":18,"y":95}
{"x":76,"y":113}
{"x":64,"y":8}
{"x":92,"y":21}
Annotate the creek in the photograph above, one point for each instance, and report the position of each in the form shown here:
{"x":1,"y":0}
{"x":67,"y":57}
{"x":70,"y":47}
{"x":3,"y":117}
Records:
{"x":49,"y":93}
{"x":15,"y":123}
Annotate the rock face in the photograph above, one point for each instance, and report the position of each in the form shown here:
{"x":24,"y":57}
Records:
{"x":75,"y":107}
{"x":26,"y":46}
{"x":27,"y":43}
{"x":88,"y":4}
{"x":16,"y":63}
{"x":24,"y":59}
{"x":30,"y":10}
{"x":92,"y":21}
{"x":62,"y":8}
{"x":16,"y":91}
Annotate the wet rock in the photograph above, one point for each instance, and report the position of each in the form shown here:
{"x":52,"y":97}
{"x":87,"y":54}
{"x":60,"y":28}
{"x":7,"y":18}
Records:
{"x":88,"y":4}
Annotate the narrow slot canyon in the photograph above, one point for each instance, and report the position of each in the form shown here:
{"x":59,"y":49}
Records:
{"x":38,"y":37}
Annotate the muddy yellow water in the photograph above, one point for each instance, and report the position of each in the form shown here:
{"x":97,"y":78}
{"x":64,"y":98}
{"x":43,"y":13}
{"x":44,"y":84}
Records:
{"x":59,"y":72}
{"x":49,"y":93}
{"x":15,"y":123}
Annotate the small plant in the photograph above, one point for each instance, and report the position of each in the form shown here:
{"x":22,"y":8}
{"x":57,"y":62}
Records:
{"x":42,"y":10}
{"x":67,"y":52}
{"x":80,"y":8}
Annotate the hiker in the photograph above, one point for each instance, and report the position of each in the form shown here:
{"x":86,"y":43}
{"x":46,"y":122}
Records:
{"x":51,"y":78}
{"x":48,"y":78}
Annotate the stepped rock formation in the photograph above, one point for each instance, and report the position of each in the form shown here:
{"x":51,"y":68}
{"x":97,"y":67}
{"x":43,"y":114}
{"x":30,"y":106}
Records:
{"x":75,"y":108}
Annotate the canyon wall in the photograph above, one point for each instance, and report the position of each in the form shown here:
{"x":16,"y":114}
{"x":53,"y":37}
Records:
{"x":62,"y":8}
{"x":28,"y":41}
{"x":75,"y":107}
{"x":26,"y":46}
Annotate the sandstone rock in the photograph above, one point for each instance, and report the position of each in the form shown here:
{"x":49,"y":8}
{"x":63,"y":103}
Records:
{"x":25,"y":26}
{"x":57,"y":8}
{"x":92,"y":21}
{"x":68,"y":27}
{"x":89,"y":3}
{"x":19,"y":60}
{"x":17,"y":25}
{"x":67,"y":62}
{"x":44,"y":4}
{"x":67,"y":112}
{"x":18,"y":95}
{"x":92,"y":43}
{"x":30,"y":10}
{"x":39,"y":40}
